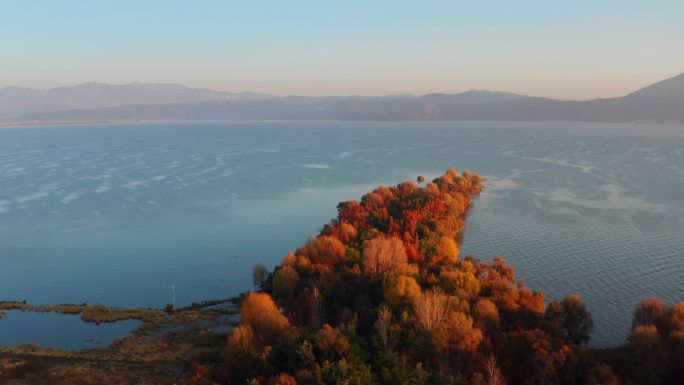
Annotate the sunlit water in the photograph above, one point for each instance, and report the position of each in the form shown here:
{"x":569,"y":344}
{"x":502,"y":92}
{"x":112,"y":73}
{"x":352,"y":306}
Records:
{"x":116,"y":214}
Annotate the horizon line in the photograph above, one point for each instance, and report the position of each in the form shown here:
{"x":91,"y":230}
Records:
{"x":276,"y":95}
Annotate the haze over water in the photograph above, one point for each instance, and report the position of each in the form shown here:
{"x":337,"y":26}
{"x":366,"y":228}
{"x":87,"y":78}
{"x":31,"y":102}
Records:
{"x":115,"y":214}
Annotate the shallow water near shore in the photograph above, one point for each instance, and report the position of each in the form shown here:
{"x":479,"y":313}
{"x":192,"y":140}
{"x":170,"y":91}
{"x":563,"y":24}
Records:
{"x":115,"y":214}
{"x":58,"y":330}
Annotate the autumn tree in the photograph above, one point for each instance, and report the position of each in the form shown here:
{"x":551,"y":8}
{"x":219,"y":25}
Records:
{"x":447,"y":250}
{"x":241,"y":338}
{"x":241,"y":353}
{"x":431,"y":309}
{"x":456,"y":333}
{"x":450,"y":175}
{"x":323,"y":252}
{"x":675,"y":321}
{"x":459,"y":283}
{"x":331,"y":343}
{"x":487,"y":316}
{"x":283,"y":379}
{"x":382,"y":255}
{"x":675,"y":352}
{"x":529,"y":357}
{"x":285,"y":281}
{"x":602,"y":375}
{"x":675,"y":344}
{"x":470,"y":180}
{"x":494,"y":374}
{"x":650,"y":311}
{"x":573,"y":317}
{"x":530,"y":300}
{"x":646,"y":355}
{"x":383,"y":326}
{"x":401,"y":290}
{"x":261,"y":313}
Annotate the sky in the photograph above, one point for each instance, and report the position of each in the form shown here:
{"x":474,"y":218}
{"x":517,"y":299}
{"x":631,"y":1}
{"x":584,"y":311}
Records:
{"x":563,"y":49}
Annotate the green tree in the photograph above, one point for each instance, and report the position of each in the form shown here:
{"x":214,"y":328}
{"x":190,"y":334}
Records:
{"x":285,"y":281}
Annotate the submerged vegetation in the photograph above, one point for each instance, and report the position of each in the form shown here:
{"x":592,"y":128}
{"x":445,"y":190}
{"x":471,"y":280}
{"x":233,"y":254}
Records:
{"x":381,"y":296}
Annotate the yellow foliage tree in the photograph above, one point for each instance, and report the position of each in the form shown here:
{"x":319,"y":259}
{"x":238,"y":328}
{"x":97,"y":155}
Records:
{"x":401,"y":290}
{"x":241,"y":339}
{"x":447,"y":250}
{"x":461,"y":284}
{"x":456,"y":333}
{"x":486,"y":315}
{"x":262,"y":315}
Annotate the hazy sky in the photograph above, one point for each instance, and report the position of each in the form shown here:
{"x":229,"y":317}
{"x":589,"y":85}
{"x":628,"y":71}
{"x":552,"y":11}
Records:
{"x":565,"y":49}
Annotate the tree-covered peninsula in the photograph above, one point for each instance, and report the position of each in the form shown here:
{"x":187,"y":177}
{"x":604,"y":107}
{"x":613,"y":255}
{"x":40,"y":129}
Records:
{"x":383,"y":296}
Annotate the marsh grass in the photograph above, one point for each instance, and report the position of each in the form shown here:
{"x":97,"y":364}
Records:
{"x":154,"y":352}
{"x":98,"y":314}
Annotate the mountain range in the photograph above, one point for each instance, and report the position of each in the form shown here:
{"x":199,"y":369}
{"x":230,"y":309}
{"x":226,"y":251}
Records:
{"x":98,"y":102}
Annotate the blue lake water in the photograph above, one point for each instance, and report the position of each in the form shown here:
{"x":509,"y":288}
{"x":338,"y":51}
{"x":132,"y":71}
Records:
{"x":115,"y":214}
{"x":57,"y":330}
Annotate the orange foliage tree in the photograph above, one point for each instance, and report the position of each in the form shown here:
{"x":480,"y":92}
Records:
{"x":262,"y":315}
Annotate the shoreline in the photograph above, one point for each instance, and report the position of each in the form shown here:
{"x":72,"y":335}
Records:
{"x":163,"y":339}
{"x":20,"y":124}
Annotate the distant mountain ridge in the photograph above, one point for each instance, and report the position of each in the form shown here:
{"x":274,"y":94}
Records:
{"x":19,"y":101}
{"x":97,"y":102}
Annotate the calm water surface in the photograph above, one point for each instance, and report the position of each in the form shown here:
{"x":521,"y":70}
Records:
{"x":116,"y":214}
{"x":57,"y":330}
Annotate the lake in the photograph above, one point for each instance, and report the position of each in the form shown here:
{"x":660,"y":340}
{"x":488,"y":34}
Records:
{"x":116,"y":214}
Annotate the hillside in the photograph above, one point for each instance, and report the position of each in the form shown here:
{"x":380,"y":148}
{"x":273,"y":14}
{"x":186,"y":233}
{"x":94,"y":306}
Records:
{"x":19,"y":101}
{"x":660,"y":102}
